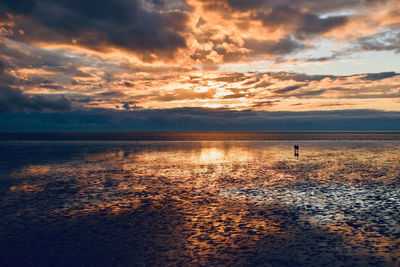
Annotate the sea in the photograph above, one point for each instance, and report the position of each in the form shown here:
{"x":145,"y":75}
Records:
{"x":200,"y":199}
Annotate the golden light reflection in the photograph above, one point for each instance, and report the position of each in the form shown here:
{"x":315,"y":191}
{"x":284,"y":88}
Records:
{"x":368,"y":240}
{"x":229,"y":196}
{"x":26,"y":188}
{"x":211,"y":155}
{"x":35,"y":170}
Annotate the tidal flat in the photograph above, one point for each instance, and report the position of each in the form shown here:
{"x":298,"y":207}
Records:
{"x":200,"y":203}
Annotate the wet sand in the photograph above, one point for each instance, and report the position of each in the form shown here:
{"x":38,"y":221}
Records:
{"x":200,"y":203}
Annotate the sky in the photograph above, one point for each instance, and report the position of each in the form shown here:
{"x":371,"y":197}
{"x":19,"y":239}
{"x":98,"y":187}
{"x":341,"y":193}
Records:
{"x":200,"y":65}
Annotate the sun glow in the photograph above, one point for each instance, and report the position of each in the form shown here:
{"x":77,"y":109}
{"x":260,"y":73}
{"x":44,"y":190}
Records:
{"x":211,"y":155}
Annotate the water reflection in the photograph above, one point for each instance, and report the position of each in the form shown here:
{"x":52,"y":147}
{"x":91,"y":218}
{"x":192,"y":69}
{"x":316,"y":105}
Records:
{"x":204,"y":203}
{"x":211,"y":155}
{"x":35,"y":170}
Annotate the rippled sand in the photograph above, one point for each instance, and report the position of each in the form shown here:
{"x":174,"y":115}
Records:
{"x":200,"y":203}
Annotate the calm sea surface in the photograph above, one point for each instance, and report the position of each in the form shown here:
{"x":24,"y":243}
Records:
{"x":190,"y":203}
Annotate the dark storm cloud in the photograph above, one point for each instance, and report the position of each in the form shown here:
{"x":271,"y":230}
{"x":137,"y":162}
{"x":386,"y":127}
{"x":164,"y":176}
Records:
{"x":291,"y":14}
{"x":238,"y":94}
{"x":287,"y":89}
{"x":302,"y":77}
{"x":5,"y":77}
{"x":52,"y":87}
{"x":29,"y":57}
{"x":246,"y":5}
{"x":334,"y":5}
{"x":130,"y":105}
{"x":82,"y":100}
{"x":126,"y":106}
{"x":128,"y":84}
{"x":283,"y":46}
{"x":13,"y":100}
{"x":263,"y":104}
{"x":299,"y":77}
{"x":100,"y":24}
{"x":112,"y":94}
{"x":380,"y":76}
{"x":200,"y":119}
{"x":386,"y":41}
{"x":335,"y":55}
{"x":304,"y":23}
{"x":313,"y":5}
{"x":313,"y":24}
{"x":231,"y":77}
{"x":200,"y":54}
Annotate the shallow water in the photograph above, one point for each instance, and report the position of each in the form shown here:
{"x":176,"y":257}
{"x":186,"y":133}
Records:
{"x":200,"y":203}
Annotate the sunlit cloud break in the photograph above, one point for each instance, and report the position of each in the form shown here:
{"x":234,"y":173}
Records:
{"x":214,"y":61}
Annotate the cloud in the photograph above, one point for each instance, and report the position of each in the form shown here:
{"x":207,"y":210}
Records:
{"x":302,"y":23}
{"x":204,"y":33}
{"x":122,"y":65}
{"x":287,"y":89}
{"x":313,"y":24}
{"x":13,"y":100}
{"x":231,"y":77}
{"x":298,"y":77}
{"x":201,"y":119}
{"x":238,"y":93}
{"x":111,"y":94}
{"x":101,"y":25}
{"x":379,"y":76}
{"x":314,"y":6}
{"x":96,"y":82}
{"x":182,"y":94}
{"x":283,"y":46}
{"x":126,"y":106}
{"x":162,"y":54}
{"x":263,"y":104}
{"x":29,"y":66}
{"x":130,"y":105}
{"x":382,"y":41}
{"x":51,"y":86}
{"x":262,"y":84}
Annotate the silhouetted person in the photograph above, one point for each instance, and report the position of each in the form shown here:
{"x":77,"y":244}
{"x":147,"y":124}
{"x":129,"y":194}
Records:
{"x":296,"y":150}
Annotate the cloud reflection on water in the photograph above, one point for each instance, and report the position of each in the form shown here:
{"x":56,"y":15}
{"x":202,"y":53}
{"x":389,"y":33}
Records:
{"x":213,"y":202}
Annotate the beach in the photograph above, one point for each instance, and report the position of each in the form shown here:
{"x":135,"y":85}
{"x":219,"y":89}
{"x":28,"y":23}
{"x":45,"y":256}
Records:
{"x":200,"y":203}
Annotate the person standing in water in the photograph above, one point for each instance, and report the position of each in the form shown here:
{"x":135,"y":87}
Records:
{"x":296,"y":150}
